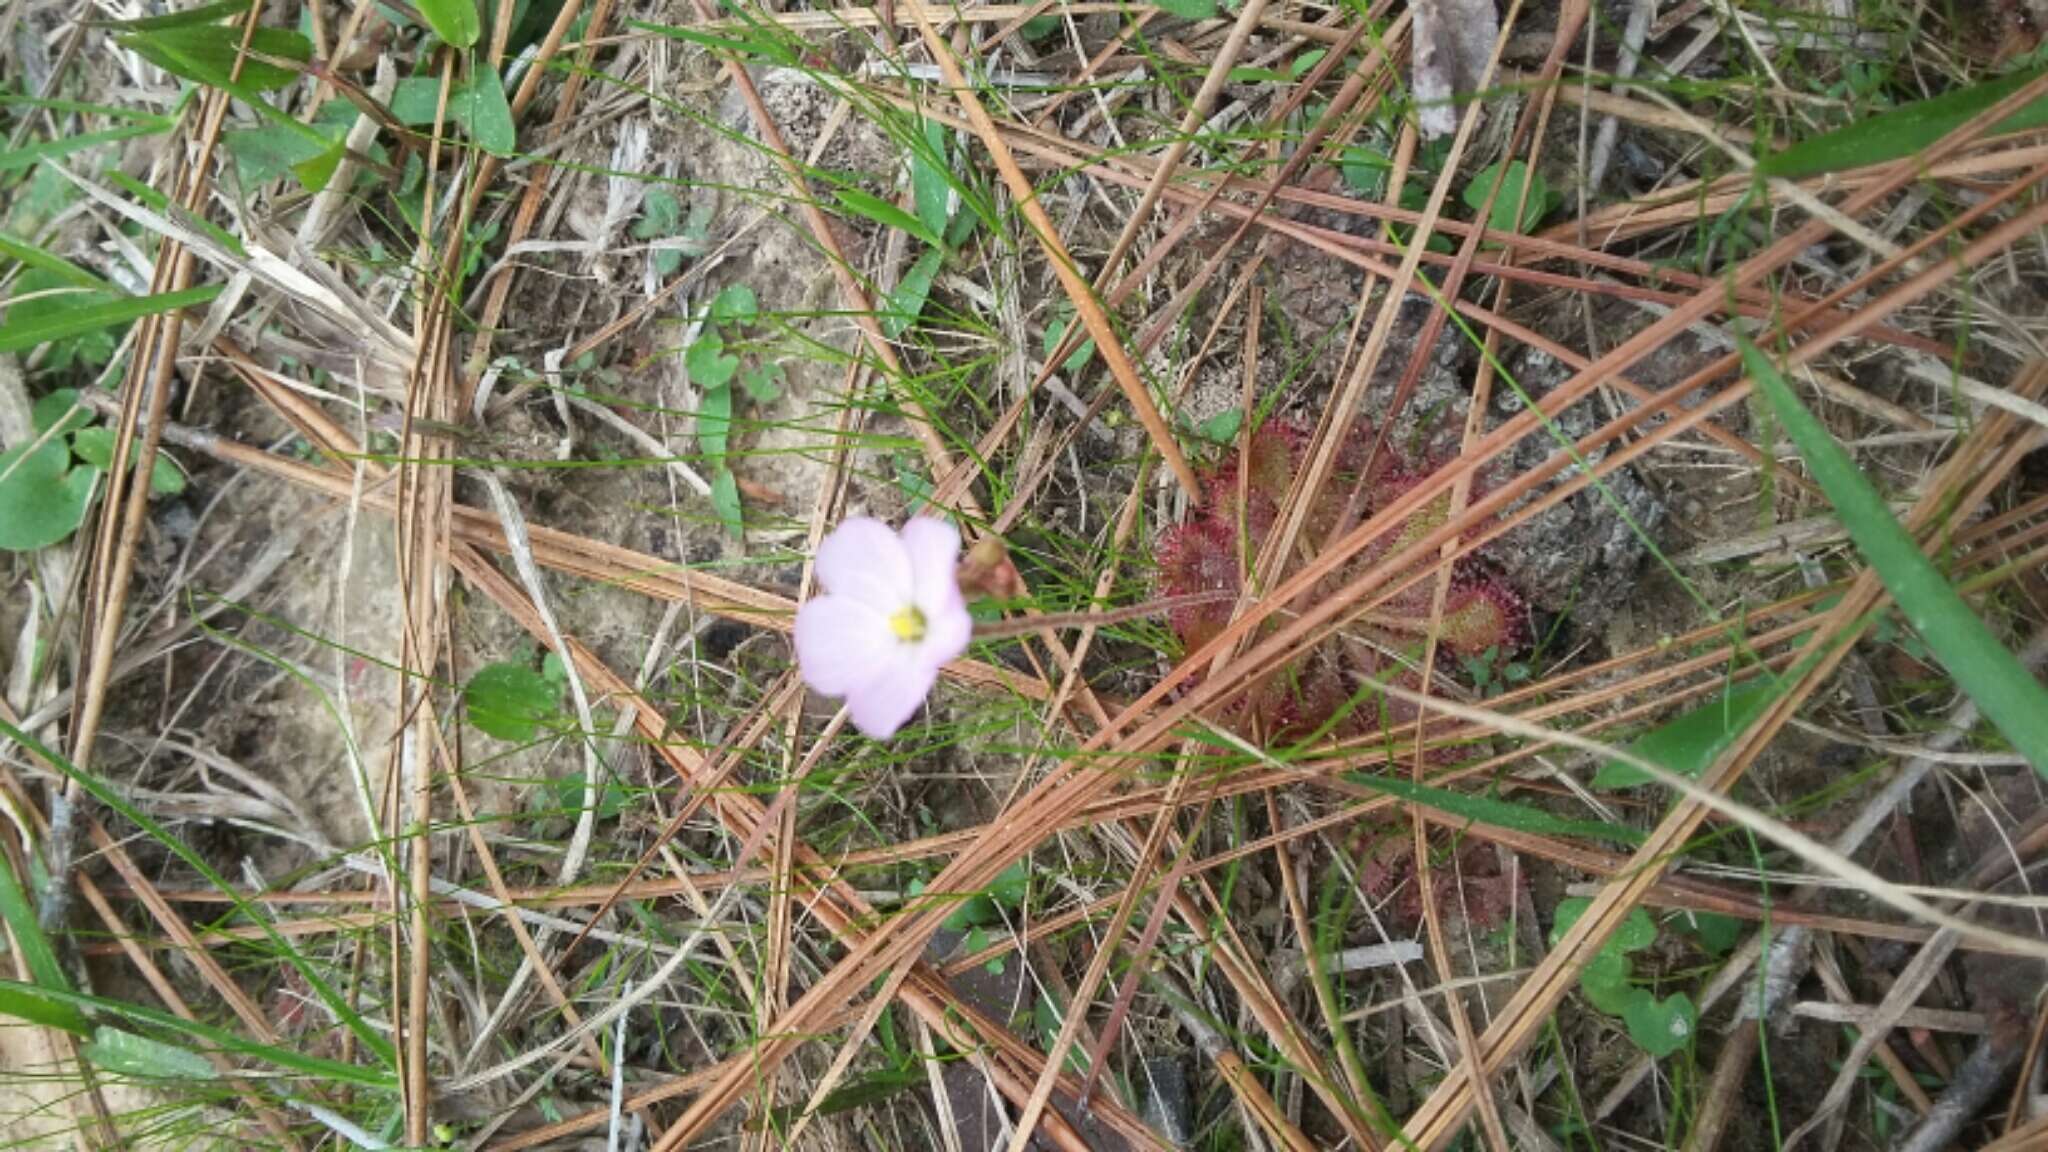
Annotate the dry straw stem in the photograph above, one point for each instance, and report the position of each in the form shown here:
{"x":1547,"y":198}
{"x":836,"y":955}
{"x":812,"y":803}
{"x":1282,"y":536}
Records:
{"x":1054,"y":799}
{"x":1107,"y":343}
{"x":833,"y":902}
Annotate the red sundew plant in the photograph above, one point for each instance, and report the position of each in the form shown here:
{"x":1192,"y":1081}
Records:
{"x":1482,"y":614}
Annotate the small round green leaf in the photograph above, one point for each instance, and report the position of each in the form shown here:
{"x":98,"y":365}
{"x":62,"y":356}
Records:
{"x":511,"y":701}
{"x":42,"y":497}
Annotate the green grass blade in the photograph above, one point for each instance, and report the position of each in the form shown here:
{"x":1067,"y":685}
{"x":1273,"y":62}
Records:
{"x":1462,"y":806}
{"x":1905,"y":130}
{"x":30,"y":256}
{"x":29,"y":154}
{"x":2009,"y":696}
{"x":36,"y":953}
{"x":328,"y":995}
{"x":15,"y":337}
{"x":1690,"y":741}
{"x":218,"y":1038}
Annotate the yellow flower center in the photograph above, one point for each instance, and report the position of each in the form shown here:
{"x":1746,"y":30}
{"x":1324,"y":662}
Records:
{"x":908,"y":625}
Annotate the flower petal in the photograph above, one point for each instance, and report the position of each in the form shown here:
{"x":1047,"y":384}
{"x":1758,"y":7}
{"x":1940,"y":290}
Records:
{"x":842,"y":644}
{"x":865,"y":561}
{"x":883,"y":705}
{"x":934,"y":549}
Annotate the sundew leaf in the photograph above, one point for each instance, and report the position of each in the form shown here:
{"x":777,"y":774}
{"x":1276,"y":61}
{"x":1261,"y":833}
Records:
{"x":1489,"y":810}
{"x":56,"y":324}
{"x":511,"y":701}
{"x":2015,"y":702}
{"x":1688,"y":743}
{"x":127,"y":1054}
{"x":454,"y":21}
{"x":1904,"y":130}
{"x":887,"y":215}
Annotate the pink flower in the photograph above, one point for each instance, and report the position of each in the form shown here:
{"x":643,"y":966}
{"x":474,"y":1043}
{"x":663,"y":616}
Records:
{"x":890,"y":615}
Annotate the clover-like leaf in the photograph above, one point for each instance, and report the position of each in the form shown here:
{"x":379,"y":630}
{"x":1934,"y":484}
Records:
{"x":42,"y":497}
{"x":511,"y":701}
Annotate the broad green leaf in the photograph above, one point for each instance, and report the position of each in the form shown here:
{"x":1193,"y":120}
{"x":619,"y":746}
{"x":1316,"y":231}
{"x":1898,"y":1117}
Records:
{"x":565,"y":794}
{"x":511,"y":701}
{"x":42,"y":497}
{"x":127,"y":1054}
{"x":1011,"y":885}
{"x":931,"y":180}
{"x":314,"y":172}
{"x":1188,"y":9}
{"x":20,"y":334}
{"x":1489,"y":810}
{"x":95,"y":446}
{"x":762,"y":382}
{"x":1904,"y":130}
{"x":60,"y":408}
{"x":1605,"y":983}
{"x":1661,"y":1027}
{"x":1636,"y":931}
{"x":725,"y":501}
{"x":735,"y":304}
{"x":1365,"y":170}
{"x":707,"y":361}
{"x":887,"y":215}
{"x":906,"y":302}
{"x":1502,"y":218}
{"x":1689,"y":743}
{"x":661,"y":217}
{"x":206,"y":54}
{"x":36,"y":954}
{"x":477,"y":107}
{"x":1222,"y":428}
{"x":486,"y":113}
{"x":454,"y":21}
{"x":714,"y":422}
{"x":1055,"y":331}
{"x":1715,"y":932}
{"x":2009,"y":695}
